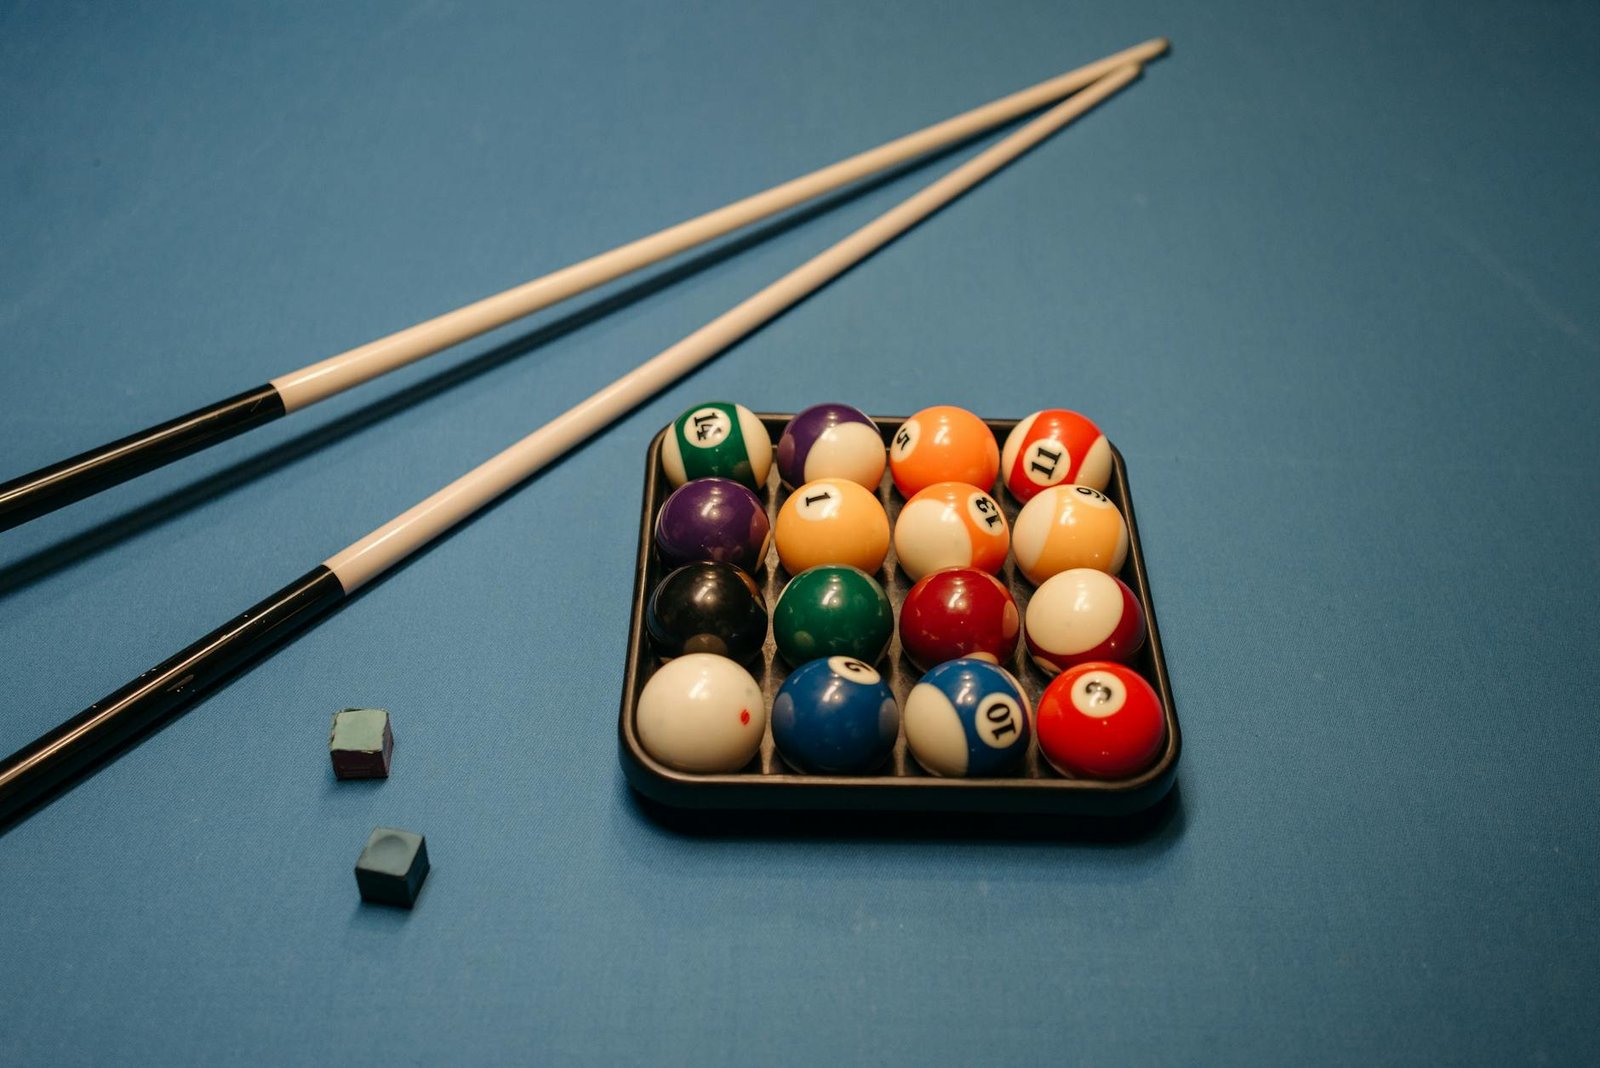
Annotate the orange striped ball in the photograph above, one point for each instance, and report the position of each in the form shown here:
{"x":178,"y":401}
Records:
{"x":1069,"y":526}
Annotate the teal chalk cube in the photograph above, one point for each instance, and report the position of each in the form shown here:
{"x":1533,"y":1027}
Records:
{"x":392,"y":866}
{"x":361,"y":743}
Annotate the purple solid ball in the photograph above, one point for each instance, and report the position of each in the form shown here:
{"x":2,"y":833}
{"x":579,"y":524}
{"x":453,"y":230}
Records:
{"x":713,"y":519}
{"x":831,"y":441}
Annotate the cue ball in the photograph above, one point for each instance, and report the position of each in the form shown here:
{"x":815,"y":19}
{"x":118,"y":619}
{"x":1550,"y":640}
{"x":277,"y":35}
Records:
{"x":1051,"y":447}
{"x":1081,"y":615}
{"x":959,"y":612}
{"x":835,"y":716}
{"x":717,"y":440}
{"x":832,"y":610}
{"x":1100,"y":721}
{"x":701,"y":713}
{"x":968,"y":717}
{"x":1069,"y":526}
{"x":714,"y":519}
{"x":943,"y":444}
{"x":707,"y":608}
{"x":831,"y":441}
{"x":831,"y":521}
{"x":951,"y":524}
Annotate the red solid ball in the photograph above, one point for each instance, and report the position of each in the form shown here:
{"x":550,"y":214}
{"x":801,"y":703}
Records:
{"x":1100,"y":721}
{"x":959,"y":612}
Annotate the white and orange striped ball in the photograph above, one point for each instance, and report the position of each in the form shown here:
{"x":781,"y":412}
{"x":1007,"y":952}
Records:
{"x":1069,"y":526}
{"x":951,"y":524}
{"x":1082,"y":615}
{"x":1052,"y":448}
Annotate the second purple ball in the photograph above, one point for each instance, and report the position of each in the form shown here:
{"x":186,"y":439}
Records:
{"x":713,"y":519}
{"x":831,"y":441}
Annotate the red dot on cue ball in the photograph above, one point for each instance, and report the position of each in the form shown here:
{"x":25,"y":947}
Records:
{"x":1100,"y":721}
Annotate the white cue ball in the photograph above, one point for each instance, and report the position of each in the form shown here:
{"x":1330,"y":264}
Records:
{"x":701,"y":713}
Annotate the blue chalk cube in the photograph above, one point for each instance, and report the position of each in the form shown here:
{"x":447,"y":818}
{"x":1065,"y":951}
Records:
{"x":392,"y":867}
{"x":361,"y":743}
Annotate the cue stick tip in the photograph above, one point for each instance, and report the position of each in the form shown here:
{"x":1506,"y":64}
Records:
{"x":1154,"y":48}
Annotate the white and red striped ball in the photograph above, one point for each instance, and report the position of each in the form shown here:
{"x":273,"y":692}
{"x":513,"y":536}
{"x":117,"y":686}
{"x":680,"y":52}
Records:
{"x":1082,"y":615}
{"x":1054,"y":447}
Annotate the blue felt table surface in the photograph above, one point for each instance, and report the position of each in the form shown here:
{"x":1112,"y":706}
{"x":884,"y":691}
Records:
{"x":1328,"y":278}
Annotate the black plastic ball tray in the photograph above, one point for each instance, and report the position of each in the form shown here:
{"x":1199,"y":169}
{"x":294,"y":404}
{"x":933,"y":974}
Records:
{"x":901,"y":784}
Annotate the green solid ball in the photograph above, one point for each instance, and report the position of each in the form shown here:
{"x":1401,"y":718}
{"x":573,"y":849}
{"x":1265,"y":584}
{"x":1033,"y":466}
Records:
{"x":832,"y":610}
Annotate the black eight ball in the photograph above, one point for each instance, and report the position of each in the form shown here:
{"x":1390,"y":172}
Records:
{"x":707,"y":608}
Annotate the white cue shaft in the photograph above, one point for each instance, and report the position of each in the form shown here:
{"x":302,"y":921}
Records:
{"x":365,"y":362}
{"x":363,"y":561}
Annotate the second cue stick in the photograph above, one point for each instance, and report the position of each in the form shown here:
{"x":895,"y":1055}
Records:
{"x":99,"y":731}
{"x":43,"y":491}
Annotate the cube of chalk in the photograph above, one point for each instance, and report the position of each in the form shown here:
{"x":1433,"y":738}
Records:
{"x":392,"y":867}
{"x":361,"y":743}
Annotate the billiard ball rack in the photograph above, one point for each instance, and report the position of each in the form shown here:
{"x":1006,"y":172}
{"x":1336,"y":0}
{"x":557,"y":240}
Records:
{"x":767,"y":782}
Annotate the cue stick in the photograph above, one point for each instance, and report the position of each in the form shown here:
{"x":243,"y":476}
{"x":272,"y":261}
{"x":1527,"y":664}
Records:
{"x":97,"y":732}
{"x":40,"y":492}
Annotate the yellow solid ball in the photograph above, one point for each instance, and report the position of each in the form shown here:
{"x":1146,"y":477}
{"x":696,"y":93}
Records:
{"x":831,"y":521}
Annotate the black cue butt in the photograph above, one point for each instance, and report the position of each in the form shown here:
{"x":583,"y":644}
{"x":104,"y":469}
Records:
{"x":100,"y":731}
{"x":58,"y":485}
